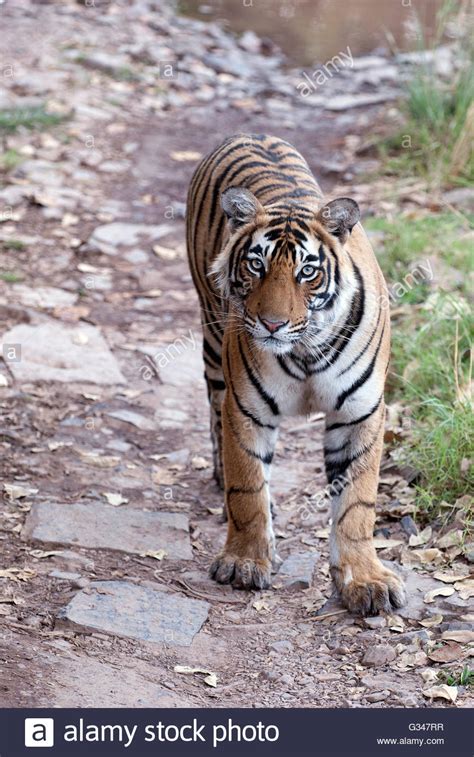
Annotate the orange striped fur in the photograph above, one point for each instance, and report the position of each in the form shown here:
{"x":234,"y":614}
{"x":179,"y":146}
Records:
{"x":292,"y":309}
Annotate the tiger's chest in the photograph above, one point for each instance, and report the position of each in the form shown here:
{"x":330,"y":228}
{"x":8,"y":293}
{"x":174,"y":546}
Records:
{"x":299,"y":392}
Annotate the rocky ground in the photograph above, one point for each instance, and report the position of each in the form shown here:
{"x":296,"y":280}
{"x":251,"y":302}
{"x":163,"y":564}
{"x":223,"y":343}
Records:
{"x":110,"y":517}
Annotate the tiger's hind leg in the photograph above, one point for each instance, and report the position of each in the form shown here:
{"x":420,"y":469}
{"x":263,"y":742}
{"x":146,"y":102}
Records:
{"x":215,"y":392}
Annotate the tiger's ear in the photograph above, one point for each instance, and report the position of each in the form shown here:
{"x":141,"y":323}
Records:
{"x":339,"y":217}
{"x":240,"y":206}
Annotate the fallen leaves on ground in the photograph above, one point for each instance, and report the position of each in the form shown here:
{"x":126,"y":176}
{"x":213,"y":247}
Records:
{"x":185,"y":155}
{"x":416,"y":540}
{"x":17,"y":574}
{"x":461,"y":636}
{"x":97,"y":460}
{"x":157,"y":554}
{"x":16,"y":491}
{"x":115,"y":499}
{"x":443,"y":691}
{"x":209,"y":677}
{"x":433,"y":620}
{"x":443,"y":591}
{"x":449,"y":652}
{"x":199,"y":463}
{"x":40,"y":554}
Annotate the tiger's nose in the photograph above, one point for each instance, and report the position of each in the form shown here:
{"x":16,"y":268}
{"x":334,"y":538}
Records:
{"x":273,"y":326}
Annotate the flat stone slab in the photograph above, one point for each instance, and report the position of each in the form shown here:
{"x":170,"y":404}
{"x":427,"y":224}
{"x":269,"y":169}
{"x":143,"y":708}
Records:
{"x":43,"y":297}
{"x":297,"y":570}
{"x":100,"y":526}
{"x":111,"y":236}
{"x":125,"y":609}
{"x":54,"y":352}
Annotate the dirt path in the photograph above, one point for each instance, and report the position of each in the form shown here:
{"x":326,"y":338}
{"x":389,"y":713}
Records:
{"x":105,"y":419}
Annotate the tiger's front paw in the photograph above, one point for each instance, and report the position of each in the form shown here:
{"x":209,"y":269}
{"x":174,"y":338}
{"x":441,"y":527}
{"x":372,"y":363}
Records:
{"x":371,"y":593}
{"x":241,"y":572}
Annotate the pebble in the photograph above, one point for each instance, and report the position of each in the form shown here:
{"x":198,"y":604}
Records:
{"x":378,"y":696}
{"x":378,"y":621}
{"x":379,"y":655}
{"x":282,"y":646}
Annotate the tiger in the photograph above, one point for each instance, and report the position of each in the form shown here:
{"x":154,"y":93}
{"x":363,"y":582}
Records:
{"x":292,"y":310}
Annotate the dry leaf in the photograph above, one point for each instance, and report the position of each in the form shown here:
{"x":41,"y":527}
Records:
{"x":183,"y":155}
{"x":432,"y":620}
{"x":395,"y":623}
{"x":209,"y":677}
{"x":322,"y":533}
{"x":115,"y":499}
{"x":17,"y":574}
{"x":442,"y":692}
{"x":260,"y":605}
{"x":199,"y":463}
{"x":443,"y":591}
{"x":429,"y":675}
{"x":215,"y":510}
{"x":449,"y":578}
{"x":165,"y":253}
{"x":465,"y":588}
{"x":452,"y":539}
{"x":449,"y":652}
{"x":15,"y":491}
{"x":416,"y":540}
{"x":408,"y":660}
{"x":428,"y":556}
{"x":463,"y":637}
{"x":156,"y":554}
{"x":162,"y":477}
{"x":381,"y":543}
{"x":99,"y":461}
{"x":41,"y":554}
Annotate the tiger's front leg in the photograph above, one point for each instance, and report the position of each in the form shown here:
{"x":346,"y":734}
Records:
{"x":352,"y":456}
{"x":249,"y":437}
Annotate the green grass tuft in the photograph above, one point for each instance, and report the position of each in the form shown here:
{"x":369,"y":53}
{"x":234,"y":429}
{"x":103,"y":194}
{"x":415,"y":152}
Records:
{"x":12,"y":119}
{"x":431,"y":364}
{"x":11,"y":277}
{"x":9,"y":160}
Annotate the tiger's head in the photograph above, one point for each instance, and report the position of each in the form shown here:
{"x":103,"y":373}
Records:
{"x":282,"y":264}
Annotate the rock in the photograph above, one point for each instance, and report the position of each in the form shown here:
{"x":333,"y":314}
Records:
{"x":100,"y":61}
{"x":378,"y":655}
{"x":461,"y":197}
{"x":55,"y":352}
{"x":43,"y":297}
{"x":409,"y":525}
{"x":136,"y":256}
{"x":344,"y":102}
{"x":105,"y":527}
{"x":63,"y":575}
{"x":111,"y":236}
{"x":469,"y":552}
{"x":297,"y":570}
{"x":282,"y":647}
{"x":376,"y":622}
{"x":378,"y":696}
{"x":250,"y":42}
{"x":125,"y":609}
{"x":135,"y":419}
{"x":114,"y":166}
{"x":381,"y":682}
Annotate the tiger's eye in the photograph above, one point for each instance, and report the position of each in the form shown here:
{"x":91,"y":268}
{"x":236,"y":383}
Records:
{"x":256,"y":265}
{"x":308,"y":270}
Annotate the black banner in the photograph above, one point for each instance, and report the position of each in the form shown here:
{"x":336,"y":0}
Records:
{"x":278,"y":732}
